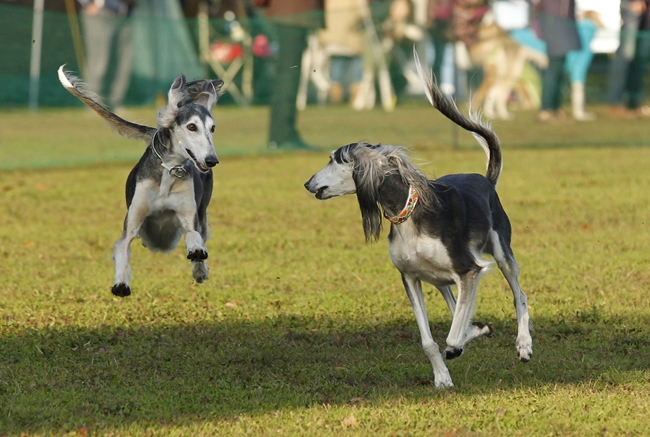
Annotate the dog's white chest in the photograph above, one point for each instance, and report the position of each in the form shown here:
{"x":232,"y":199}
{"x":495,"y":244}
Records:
{"x":424,"y":256}
{"x":169,"y":194}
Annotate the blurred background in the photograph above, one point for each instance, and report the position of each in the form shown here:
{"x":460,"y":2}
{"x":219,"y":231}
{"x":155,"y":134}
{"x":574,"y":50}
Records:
{"x":352,"y":54}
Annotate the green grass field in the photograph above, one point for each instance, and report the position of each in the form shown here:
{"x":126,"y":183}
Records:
{"x":302,"y":328}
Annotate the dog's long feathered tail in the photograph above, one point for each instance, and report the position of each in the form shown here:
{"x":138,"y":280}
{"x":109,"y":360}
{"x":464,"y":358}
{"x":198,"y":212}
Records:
{"x":482,"y":132}
{"x":125,"y":128}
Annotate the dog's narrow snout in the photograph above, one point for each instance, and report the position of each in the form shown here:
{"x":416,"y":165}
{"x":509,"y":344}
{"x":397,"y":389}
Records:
{"x":211,"y":161}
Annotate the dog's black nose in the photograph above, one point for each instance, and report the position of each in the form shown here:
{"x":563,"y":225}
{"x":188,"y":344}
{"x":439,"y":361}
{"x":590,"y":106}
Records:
{"x":211,"y":161}
{"x":307,"y":183}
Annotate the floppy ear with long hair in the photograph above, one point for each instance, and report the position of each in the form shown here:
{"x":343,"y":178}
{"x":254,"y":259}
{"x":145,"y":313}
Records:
{"x":204,"y":93}
{"x":210,"y":94}
{"x":174,"y":99}
{"x":367,"y":179}
{"x":162,"y":139}
{"x":399,"y":162}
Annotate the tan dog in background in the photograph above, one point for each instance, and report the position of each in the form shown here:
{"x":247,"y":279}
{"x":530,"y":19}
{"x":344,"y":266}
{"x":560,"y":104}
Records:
{"x":503,"y":61}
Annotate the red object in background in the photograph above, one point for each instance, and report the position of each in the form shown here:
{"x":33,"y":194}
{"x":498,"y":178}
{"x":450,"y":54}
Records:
{"x":261,"y":46}
{"x":225,"y":52}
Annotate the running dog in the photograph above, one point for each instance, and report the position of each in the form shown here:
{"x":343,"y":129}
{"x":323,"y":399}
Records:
{"x":169,"y":189}
{"x":439,"y":228}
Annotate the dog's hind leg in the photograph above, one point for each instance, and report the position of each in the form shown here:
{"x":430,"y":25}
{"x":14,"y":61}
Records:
{"x":413,"y":288}
{"x":138,"y":211}
{"x":501,"y":100}
{"x":200,"y":268}
{"x":488,"y":80}
{"x":508,"y":265}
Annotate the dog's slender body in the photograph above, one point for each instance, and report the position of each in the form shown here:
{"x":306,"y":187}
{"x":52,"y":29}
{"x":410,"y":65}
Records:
{"x":439,"y":236}
{"x":169,"y":189}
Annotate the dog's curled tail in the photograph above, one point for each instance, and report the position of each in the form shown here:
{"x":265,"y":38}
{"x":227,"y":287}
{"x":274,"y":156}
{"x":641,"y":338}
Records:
{"x":125,"y":128}
{"x":481,"y":131}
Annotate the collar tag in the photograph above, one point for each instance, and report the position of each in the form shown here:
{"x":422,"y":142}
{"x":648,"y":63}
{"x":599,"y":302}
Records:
{"x":408,"y":208}
{"x":178,"y":171}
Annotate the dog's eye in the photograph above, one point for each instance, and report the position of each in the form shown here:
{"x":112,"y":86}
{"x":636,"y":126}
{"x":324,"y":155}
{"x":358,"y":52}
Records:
{"x":212,"y":129}
{"x":191,"y":127}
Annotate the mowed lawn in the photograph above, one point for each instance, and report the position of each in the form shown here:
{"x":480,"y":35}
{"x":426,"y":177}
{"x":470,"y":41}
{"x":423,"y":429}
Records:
{"x":302,"y":328}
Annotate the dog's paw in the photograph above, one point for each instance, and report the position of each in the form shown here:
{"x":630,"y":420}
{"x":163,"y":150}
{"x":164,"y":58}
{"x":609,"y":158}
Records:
{"x":524,"y":349}
{"x":453,"y":352}
{"x":121,"y":290}
{"x":197,"y":255}
{"x":442,"y":379}
{"x":199,"y":272}
{"x":485,"y":329}
{"x":478,"y":329}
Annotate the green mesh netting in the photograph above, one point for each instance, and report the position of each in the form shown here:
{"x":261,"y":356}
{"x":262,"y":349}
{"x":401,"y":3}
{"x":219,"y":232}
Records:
{"x":163,"y":41}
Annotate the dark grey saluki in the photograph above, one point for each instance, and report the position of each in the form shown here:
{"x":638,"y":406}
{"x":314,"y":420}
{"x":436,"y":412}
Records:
{"x":169,"y":189}
{"x":439,"y":228}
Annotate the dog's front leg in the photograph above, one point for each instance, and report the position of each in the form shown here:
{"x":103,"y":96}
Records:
{"x":138,"y":211}
{"x":413,"y":288}
{"x":186,"y":213}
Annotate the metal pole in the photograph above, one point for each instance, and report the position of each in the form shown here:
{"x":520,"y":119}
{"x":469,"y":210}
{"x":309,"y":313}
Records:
{"x":35,"y":63}
{"x":454,"y":126}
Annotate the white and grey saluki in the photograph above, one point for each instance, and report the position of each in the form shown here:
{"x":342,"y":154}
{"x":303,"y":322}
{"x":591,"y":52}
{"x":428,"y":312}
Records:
{"x":169,"y":189}
{"x":439,"y":228}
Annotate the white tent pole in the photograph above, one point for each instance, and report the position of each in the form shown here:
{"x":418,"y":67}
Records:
{"x":35,"y":63}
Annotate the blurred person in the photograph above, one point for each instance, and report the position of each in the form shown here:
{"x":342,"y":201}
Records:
{"x":627,"y":69}
{"x":438,"y":21}
{"x":578,"y":62}
{"x":343,"y":41}
{"x":446,"y":21}
{"x":293,"y":19}
{"x":401,"y":32}
{"x":107,"y":29}
{"x":557,"y":22}
{"x":466,"y":19}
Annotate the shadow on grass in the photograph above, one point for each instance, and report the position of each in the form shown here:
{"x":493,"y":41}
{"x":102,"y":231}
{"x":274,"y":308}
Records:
{"x":56,"y":380}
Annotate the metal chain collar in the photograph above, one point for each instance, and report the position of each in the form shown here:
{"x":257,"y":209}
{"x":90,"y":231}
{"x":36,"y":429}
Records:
{"x":178,"y":171}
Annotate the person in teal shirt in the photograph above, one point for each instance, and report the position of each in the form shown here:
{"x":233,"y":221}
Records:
{"x":577,"y":64}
